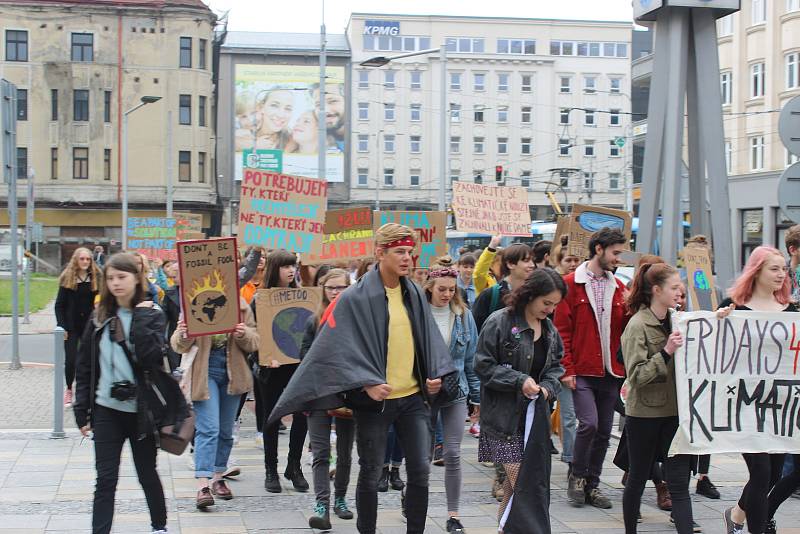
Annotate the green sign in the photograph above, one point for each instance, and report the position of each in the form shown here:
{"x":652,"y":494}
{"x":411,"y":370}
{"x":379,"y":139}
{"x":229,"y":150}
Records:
{"x":619,"y":141}
{"x":263,"y":159}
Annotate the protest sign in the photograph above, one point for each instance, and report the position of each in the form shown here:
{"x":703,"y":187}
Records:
{"x":209,"y":285}
{"x":282,"y":316}
{"x":152,"y":236}
{"x":430,"y":228}
{"x":282,"y":211}
{"x":702,"y":294}
{"x":737,"y":384}
{"x":586,"y":220}
{"x":348,"y":236}
{"x":491,"y":209}
{"x":187,"y":222}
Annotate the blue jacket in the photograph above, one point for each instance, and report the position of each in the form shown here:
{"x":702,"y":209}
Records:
{"x":463,"y":343}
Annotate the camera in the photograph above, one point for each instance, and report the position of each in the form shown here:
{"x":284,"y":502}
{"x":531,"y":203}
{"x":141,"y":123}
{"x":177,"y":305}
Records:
{"x":123,"y":390}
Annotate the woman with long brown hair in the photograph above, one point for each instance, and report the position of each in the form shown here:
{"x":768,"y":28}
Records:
{"x":78,"y":285}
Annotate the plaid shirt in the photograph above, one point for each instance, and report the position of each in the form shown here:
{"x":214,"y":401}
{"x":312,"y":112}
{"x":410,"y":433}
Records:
{"x":598,"y":285}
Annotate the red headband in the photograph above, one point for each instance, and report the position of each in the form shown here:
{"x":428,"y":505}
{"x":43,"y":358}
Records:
{"x":404,"y":242}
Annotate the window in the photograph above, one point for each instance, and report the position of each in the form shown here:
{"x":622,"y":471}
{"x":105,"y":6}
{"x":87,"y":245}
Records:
{"x":525,"y":179}
{"x":80,"y":163}
{"x":453,"y":178}
{"x":757,"y":80}
{"x":22,"y":104}
{"x":53,"y":104}
{"x":416,"y":144}
{"x":388,"y":177}
{"x":503,"y":81}
{"x":588,"y":181}
{"x":184,"y":166}
{"x":185,"y":59}
{"x":363,"y":79}
{"x":396,"y":43}
{"x":478,"y":145}
{"x":564,"y":116}
{"x":758,"y":14}
{"x":516,"y":46}
{"x":416,"y":79}
{"x":464,"y":45}
{"x":107,"y":164}
{"x":201,"y":54}
{"x":526,"y":115}
{"x":455,"y":112}
{"x":589,"y":85}
{"x":594,"y":49}
{"x":525,"y":145}
{"x":614,"y":117}
{"x":502,"y":114}
{"x":54,"y":163}
{"x":82,"y":47}
{"x":388,"y":143}
{"x":792,"y":5}
{"x":502,"y":145}
{"x":792,"y":64}
{"x":615,"y":85}
{"x":413,"y":178}
{"x":588,"y":117}
{"x":185,"y":109}
{"x":725,"y":26}
{"x":613,"y":149}
{"x":757,"y":153}
{"x":201,"y":111}
{"x":22,"y":163}
{"x":363,"y":143}
{"x":80,"y":107}
{"x":106,"y":106}
{"x":361,"y":177}
{"x":388,"y":112}
{"x":477,"y":113}
{"x":563,"y":179}
{"x":201,"y":167}
{"x":455,"y":145}
{"x":455,"y":81}
{"x":363,"y":111}
{"x":588,"y":149}
{"x":389,"y":77}
{"x":16,"y":45}
{"x":477,"y":177}
{"x":563,"y":147}
{"x":416,"y":112}
{"x":613,"y":181}
{"x":527,"y":83}
{"x":726,"y":87}
{"x":728,"y":156}
{"x":566,"y":83}
{"x":479,"y":81}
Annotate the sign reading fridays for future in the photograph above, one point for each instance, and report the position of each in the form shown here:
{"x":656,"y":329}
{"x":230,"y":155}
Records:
{"x":152,"y":236}
{"x":430,"y":228}
{"x":491,"y":209}
{"x":737,"y":383}
{"x":282,"y":211}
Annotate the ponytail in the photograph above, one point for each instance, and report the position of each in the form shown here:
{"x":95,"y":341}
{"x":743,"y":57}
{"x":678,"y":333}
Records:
{"x":647,"y":277}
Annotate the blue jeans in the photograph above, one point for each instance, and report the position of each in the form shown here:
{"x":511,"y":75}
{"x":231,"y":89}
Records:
{"x":394,"y":451}
{"x":213,"y":439}
{"x":568,"y":424}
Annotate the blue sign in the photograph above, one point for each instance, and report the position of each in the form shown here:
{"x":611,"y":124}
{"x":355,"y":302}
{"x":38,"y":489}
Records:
{"x":381,"y":27}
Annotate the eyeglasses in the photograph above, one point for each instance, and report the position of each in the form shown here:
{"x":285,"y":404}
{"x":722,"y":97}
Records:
{"x":335,"y":288}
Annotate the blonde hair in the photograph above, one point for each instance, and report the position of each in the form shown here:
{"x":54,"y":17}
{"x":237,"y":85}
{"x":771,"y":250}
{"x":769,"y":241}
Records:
{"x":391,"y":232}
{"x":333,"y":273}
{"x":457,"y":305}
{"x":69,"y":276}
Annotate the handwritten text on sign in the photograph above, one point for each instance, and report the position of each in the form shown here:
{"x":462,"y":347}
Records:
{"x":348,"y":236}
{"x":738,"y":384}
{"x":282,"y":211}
{"x":491,"y":209}
{"x":430,"y":228}
{"x":153,"y":236}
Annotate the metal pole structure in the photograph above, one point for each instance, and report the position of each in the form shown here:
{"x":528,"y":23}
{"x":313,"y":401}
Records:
{"x":443,"y":119}
{"x":28,"y":244}
{"x":378,"y":170}
{"x":321,"y":119}
{"x":124,"y":225}
{"x":627,"y":177}
{"x":170,"y":190}
{"x":9,"y":119}
{"x":58,"y":384}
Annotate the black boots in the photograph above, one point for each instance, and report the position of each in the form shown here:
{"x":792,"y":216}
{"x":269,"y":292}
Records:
{"x":295,"y":475}
{"x":383,"y":481}
{"x":271,"y":482}
{"x":394,"y":479}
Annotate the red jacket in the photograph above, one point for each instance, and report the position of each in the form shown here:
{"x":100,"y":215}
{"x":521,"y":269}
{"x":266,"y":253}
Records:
{"x":576,"y":322}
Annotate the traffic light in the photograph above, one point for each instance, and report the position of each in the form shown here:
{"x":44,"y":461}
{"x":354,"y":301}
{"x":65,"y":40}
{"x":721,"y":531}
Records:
{"x":498,"y":173}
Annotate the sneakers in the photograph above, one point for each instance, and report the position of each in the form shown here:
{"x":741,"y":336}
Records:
{"x":695,"y":527}
{"x":281,"y":428}
{"x":160,"y":531}
{"x":438,"y":455}
{"x":383,"y":481}
{"x":67,"y":398}
{"x":596,"y":498}
{"x":204,"y":498}
{"x":475,"y":430}
{"x":394,"y":479}
{"x":663,"y":498}
{"x":295,"y":475}
{"x":220,"y":489}
{"x":706,"y":488}
{"x":455,"y":526}
{"x":576,"y":491}
{"x":730,"y":526}
{"x":497,"y":490}
{"x":770,"y":527}
{"x":232,"y":472}
{"x":321,"y":519}
{"x":271,"y":482}
{"x":340,"y":508}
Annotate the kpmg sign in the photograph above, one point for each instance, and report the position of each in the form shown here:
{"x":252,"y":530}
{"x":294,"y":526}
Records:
{"x":381,"y":27}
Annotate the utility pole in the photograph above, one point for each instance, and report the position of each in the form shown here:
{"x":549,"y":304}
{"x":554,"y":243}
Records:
{"x":444,"y":119}
{"x":26,"y":319}
{"x":8,"y":115}
{"x":321,"y":119}
{"x":170,"y":191}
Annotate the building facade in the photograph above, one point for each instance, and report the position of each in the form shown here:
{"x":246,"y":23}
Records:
{"x":79,"y":66}
{"x":544,"y":104}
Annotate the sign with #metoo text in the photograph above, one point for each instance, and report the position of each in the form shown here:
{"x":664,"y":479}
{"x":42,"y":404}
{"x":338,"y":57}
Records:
{"x":737,"y":383}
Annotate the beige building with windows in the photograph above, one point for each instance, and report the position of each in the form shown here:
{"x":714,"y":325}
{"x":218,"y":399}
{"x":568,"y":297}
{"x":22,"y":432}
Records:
{"x":79,"y":65}
{"x":546,"y":100}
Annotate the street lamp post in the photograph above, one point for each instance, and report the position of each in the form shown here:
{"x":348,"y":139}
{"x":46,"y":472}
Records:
{"x":144,"y":101}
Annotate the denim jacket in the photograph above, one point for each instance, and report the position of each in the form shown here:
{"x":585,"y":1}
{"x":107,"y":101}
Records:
{"x":463,"y":342}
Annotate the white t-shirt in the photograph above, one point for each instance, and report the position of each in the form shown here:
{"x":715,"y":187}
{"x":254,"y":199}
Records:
{"x":444,"y":320}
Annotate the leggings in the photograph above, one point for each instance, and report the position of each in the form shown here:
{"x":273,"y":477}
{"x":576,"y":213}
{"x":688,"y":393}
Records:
{"x":452,"y":418}
{"x":270,"y":393}
{"x":70,"y":356}
{"x":765,"y":471}
{"x":784,"y":488}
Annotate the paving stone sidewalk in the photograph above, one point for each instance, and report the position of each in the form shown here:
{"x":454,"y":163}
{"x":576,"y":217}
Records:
{"x":41,"y":322}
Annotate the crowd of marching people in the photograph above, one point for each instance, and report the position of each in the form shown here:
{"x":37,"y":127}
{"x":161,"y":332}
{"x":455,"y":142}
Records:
{"x":507,"y":345}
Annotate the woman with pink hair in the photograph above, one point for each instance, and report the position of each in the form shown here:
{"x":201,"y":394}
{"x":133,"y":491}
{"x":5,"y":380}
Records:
{"x":764,"y":285}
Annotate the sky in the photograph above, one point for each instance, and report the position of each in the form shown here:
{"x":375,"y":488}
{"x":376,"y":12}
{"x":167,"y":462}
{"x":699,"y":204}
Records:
{"x":306,"y":15}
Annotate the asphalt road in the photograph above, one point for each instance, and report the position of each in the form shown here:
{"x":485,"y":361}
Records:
{"x":34,"y":348}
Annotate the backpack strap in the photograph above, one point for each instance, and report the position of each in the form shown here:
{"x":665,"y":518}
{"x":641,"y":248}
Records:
{"x":493,"y":306}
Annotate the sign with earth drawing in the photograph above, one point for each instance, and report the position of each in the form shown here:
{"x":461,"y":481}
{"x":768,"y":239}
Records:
{"x":282,"y":315}
{"x":209,"y":285}
{"x":699,"y":273}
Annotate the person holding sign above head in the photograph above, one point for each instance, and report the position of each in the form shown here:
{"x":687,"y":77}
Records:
{"x":488,"y":267}
{"x":764,"y":285}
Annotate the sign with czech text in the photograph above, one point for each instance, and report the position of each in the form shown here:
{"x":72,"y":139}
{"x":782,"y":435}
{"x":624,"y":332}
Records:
{"x":491,"y":209}
{"x":348,"y":236}
{"x":431,"y":230}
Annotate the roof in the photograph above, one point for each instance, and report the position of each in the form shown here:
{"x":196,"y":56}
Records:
{"x":287,"y":42}
{"x":383,"y":16}
{"x":152,"y":4}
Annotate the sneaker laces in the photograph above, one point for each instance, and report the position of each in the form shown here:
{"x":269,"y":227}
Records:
{"x":340,"y":504}
{"x":320,"y":509}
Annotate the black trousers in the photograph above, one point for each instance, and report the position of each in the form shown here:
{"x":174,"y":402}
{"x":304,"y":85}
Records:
{"x":649,"y":439}
{"x":111,"y":429}
{"x":785,"y":487}
{"x":270,"y":393}
{"x":765,"y":471}
{"x":71,"y":356}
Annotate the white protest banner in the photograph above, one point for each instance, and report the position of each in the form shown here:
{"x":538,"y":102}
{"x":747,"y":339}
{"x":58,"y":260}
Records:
{"x":491,"y":209}
{"x":737,"y":384}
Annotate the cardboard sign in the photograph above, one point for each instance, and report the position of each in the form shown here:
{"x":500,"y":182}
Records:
{"x":209,"y":285}
{"x":562,"y":227}
{"x":348,"y":236}
{"x":279,"y":211}
{"x":193,"y":235}
{"x":152,"y":236}
{"x":737,"y":383}
{"x":282,"y":316}
{"x":586,"y":220}
{"x":431,"y":230}
{"x":700,"y":275}
{"x":491,"y":209}
{"x":187,"y":222}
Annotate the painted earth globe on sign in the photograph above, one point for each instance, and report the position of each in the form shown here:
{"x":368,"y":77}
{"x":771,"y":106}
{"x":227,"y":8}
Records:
{"x":208,"y":303}
{"x":288,"y":328}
